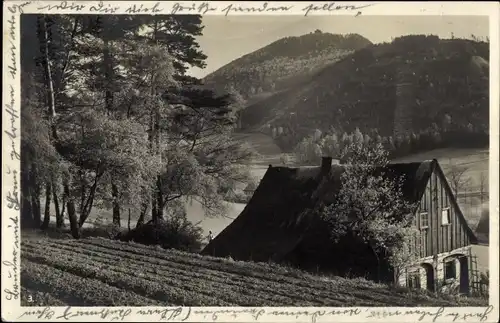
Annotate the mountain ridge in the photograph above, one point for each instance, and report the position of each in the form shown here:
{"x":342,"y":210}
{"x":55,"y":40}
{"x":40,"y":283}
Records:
{"x":448,"y":78}
{"x":283,"y":63}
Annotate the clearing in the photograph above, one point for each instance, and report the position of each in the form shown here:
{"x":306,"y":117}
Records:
{"x":101,"y":272}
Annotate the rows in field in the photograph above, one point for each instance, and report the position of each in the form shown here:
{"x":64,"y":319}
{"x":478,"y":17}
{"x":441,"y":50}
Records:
{"x":283,"y":292}
{"x":150,"y":277}
{"x":67,"y":288}
{"x":318,"y":292}
{"x":33,"y":297}
{"x":115,"y":276}
{"x":266,"y":272}
{"x":333,"y":291}
{"x":224,"y":286}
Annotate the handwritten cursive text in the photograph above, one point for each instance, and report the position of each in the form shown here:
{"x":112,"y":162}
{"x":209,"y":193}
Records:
{"x":332,"y":6}
{"x":265,"y":7}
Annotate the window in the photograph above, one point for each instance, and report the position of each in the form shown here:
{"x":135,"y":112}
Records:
{"x":445,"y":217}
{"x":424,"y":220}
{"x":424,"y":201}
{"x":450,"y":270}
{"x":413,"y":280}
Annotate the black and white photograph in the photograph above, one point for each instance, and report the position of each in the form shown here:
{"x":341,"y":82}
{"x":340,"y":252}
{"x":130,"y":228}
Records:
{"x":250,"y":160}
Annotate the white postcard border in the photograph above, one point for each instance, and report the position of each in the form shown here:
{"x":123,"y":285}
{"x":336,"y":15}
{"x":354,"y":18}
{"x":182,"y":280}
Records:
{"x":11,"y":309}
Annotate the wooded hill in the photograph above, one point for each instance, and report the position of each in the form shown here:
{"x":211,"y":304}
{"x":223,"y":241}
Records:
{"x":447,"y":89}
{"x":284,"y":63}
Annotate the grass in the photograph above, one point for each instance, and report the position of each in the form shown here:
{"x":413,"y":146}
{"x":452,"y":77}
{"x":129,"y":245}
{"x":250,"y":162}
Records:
{"x":101,"y":272}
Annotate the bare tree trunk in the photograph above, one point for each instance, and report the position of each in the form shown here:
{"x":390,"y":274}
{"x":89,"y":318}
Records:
{"x":44,"y":42}
{"x":129,"y":219}
{"x":35,"y":198}
{"x":142,"y":215}
{"x":154,"y":209}
{"x":90,"y":201}
{"x":26,"y":207}
{"x":59,"y":212}
{"x":159,"y":198}
{"x":156,"y":199}
{"x":63,"y":210}
{"x":151,"y":137}
{"x":70,"y":204}
{"x":48,"y":196}
{"x":116,"y":205}
{"x":378,"y":262}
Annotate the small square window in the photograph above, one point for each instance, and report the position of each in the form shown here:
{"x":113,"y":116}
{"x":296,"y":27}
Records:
{"x":424,"y":220}
{"x":413,"y":280}
{"x":450,"y":270}
{"x":445,"y":217}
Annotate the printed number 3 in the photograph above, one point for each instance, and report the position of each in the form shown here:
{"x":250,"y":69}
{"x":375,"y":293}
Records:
{"x":30,"y":299}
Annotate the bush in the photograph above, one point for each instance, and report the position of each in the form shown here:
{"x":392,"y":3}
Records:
{"x":174,"y":232}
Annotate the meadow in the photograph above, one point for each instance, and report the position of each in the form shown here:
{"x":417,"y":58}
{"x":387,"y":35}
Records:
{"x":96,"y":271}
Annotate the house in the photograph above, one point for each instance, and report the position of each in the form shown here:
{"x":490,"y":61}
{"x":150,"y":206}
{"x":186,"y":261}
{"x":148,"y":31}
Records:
{"x":278,"y":224}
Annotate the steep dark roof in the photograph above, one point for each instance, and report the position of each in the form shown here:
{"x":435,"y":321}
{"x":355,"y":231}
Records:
{"x":278,"y":215}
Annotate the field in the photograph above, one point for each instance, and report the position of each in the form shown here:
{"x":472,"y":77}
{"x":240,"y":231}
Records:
{"x":103,"y":272}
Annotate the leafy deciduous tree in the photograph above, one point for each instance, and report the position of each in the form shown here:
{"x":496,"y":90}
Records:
{"x":371,"y":206}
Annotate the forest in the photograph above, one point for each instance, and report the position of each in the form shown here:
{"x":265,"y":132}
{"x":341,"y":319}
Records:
{"x":111,"y":119}
{"x":283,"y":63}
{"x":447,"y":90}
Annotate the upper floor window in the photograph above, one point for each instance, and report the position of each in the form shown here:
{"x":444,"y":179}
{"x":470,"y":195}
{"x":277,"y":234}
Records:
{"x":423,"y":202}
{"x":424,"y":220}
{"x":445,"y":216}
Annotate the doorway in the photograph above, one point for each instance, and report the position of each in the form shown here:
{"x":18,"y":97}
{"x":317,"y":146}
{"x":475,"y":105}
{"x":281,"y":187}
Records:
{"x":429,"y":274}
{"x":464,"y":275}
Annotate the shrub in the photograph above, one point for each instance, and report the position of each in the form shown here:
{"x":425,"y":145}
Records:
{"x":174,"y":232}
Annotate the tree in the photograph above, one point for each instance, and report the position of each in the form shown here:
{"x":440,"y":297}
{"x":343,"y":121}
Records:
{"x":106,"y":75}
{"x":178,"y":33}
{"x":308,"y":151}
{"x":330,"y":145}
{"x":44,"y":33}
{"x":371,"y":206}
{"x":446,"y":122}
{"x":483,"y":182}
{"x":123,"y":125}
{"x":200,"y":156}
{"x":317,"y":134}
{"x":39,"y":161}
{"x":237,"y":103}
{"x":456,"y":176}
{"x":358,"y":137}
{"x":284,"y":159}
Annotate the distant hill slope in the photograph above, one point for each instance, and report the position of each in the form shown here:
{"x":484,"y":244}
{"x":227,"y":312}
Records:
{"x":283,"y":63}
{"x":406,"y":85}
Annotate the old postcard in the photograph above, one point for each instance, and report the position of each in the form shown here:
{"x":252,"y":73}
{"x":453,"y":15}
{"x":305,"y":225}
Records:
{"x":250,"y":161}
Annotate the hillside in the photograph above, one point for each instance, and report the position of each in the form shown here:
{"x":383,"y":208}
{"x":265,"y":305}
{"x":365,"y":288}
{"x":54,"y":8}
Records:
{"x":444,"y":83}
{"x":283,"y":63}
{"x":100,"y":272}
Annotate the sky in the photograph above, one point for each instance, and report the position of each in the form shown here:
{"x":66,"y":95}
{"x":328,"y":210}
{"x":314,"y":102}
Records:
{"x":228,"y":38}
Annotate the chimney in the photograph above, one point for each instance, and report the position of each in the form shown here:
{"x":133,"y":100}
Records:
{"x":326,"y":164}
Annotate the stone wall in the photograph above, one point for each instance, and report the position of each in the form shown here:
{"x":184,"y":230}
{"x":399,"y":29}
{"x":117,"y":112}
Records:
{"x":438,"y":263}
